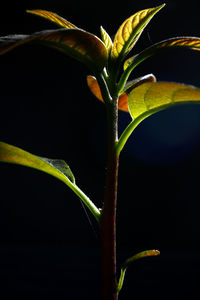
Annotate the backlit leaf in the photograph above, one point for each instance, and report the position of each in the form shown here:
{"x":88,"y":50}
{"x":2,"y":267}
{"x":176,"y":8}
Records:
{"x":123,"y":98}
{"x":129,"y":32}
{"x":129,"y":261}
{"x":178,"y":42}
{"x":151,"y":97}
{"x":76,"y":43}
{"x":53,"y":17}
{"x":94,"y":87}
{"x":106,"y":39}
{"x":140,"y":255}
{"x":55,"y":167}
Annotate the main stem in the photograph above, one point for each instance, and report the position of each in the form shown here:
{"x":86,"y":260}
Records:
{"x":108,"y":221}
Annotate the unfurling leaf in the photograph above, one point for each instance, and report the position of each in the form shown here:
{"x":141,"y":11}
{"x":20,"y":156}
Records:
{"x":106,"y":39}
{"x":77,"y":43}
{"x":178,"y":42}
{"x":129,"y":261}
{"x":55,"y":167}
{"x":123,"y":98}
{"x":152,"y":97}
{"x":129,"y":32}
{"x":53,"y":17}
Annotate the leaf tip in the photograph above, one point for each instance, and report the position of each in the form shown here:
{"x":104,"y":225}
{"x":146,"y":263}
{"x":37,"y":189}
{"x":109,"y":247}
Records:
{"x":161,"y":6}
{"x":29,"y":11}
{"x":154,"y":252}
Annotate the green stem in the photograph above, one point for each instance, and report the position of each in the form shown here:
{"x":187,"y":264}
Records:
{"x":90,"y":205}
{"x":127,"y":72}
{"x":129,"y":129}
{"x":121,"y":279}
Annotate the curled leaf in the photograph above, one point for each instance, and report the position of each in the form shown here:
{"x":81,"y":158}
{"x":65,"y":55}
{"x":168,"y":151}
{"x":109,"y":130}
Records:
{"x":55,"y":167}
{"x":140,"y":255}
{"x":129,"y":32}
{"x":129,"y":261}
{"x":77,"y":43}
{"x":53,"y":17}
{"x":178,"y":42}
{"x":123,"y":98}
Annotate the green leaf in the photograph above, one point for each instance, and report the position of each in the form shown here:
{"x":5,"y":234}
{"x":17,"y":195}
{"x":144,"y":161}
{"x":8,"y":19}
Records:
{"x":53,"y":17}
{"x":55,"y":167}
{"x":129,"y":32}
{"x":106,"y":39}
{"x":140,"y":255}
{"x":178,"y":42}
{"x":151,"y":97}
{"x":77,"y":43}
{"x":129,"y":261}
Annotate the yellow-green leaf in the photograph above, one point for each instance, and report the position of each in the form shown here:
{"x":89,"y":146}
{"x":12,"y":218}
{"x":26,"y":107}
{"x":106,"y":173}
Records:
{"x":106,"y":39}
{"x":129,"y":32}
{"x":177,"y":42}
{"x":151,"y":97}
{"x":53,"y":17}
{"x":55,"y":167}
{"x":76,"y":43}
{"x":129,"y":261}
{"x":140,"y":255}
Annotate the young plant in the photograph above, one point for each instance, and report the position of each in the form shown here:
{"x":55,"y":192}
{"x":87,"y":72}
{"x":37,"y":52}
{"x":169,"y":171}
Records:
{"x":139,"y":97}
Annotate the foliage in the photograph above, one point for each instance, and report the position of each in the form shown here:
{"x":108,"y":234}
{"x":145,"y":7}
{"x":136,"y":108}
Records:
{"x":140,"y":97}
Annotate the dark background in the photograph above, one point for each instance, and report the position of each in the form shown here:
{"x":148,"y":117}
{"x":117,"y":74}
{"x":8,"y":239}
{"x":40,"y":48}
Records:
{"x":48,"y":249}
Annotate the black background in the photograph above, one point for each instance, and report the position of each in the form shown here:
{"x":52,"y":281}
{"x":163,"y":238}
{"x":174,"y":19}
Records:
{"x":48,"y":248}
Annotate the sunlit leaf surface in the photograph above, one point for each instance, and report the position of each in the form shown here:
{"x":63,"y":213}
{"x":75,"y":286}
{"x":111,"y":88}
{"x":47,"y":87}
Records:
{"x":76,"y":43}
{"x":151,"y":97}
{"x":55,"y":167}
{"x":178,"y":42}
{"x":129,"y":32}
{"x":53,"y":17}
{"x":106,"y":39}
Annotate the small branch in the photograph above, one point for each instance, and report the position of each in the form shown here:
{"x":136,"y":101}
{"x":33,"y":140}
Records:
{"x":90,"y":205}
{"x":129,"y":129}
